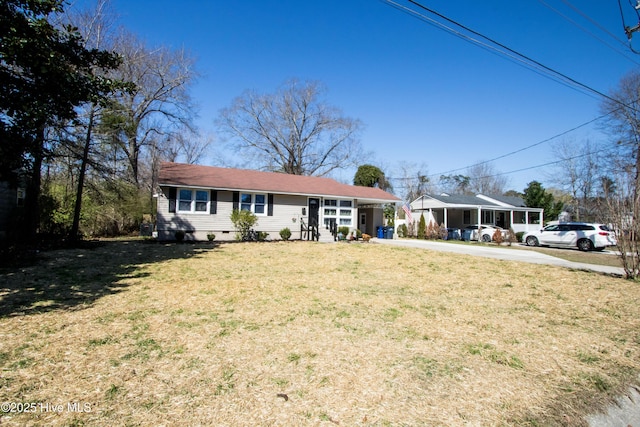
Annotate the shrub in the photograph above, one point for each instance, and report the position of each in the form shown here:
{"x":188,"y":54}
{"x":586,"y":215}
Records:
{"x":519,"y":235}
{"x":262,"y":236}
{"x":211,"y":237}
{"x":242,"y":222}
{"x":497,"y":236}
{"x":285,"y":233}
{"x":511,"y":236}
{"x":179,"y":235}
{"x":358,"y":234}
{"x":403,"y":231}
{"x":344,"y":230}
{"x":422,"y":227}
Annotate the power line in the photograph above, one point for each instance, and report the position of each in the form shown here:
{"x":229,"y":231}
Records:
{"x":507,"y":51}
{"x":524,"y":148}
{"x":568,"y":19}
{"x":588,"y":153}
{"x":594,"y":22}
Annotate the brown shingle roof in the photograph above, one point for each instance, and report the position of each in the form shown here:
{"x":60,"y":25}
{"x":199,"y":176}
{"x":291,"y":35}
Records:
{"x":180,"y":174}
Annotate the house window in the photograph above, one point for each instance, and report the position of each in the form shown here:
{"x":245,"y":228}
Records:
{"x":255,"y":203}
{"x":466,"y":217}
{"x":245,"y":202}
{"x":487,"y":217}
{"x":193,"y":200}
{"x":202,"y":199}
{"x":341,"y":216}
{"x":259,"y":204}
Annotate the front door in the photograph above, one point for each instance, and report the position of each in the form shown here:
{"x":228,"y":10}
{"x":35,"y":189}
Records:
{"x":314,"y":209}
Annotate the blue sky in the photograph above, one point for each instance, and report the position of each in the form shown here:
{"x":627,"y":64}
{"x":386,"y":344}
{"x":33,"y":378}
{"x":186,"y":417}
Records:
{"x":424,"y":95}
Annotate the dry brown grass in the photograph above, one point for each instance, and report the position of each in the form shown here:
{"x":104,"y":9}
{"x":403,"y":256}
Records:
{"x":304,"y":333}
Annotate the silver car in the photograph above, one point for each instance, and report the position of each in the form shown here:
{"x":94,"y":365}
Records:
{"x":581,"y":235}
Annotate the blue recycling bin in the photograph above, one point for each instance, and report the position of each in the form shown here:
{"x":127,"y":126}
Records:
{"x":453,"y":234}
{"x":389,"y":233}
{"x":380,"y":232}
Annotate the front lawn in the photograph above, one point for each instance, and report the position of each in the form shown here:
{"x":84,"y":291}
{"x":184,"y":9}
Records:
{"x":305,"y":333}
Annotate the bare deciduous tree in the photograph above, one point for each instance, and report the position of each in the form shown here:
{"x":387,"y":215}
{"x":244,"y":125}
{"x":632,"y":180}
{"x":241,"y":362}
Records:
{"x":579,"y":174}
{"x":160,"y":105}
{"x":623,"y":112}
{"x":485,"y":179}
{"x":414,"y":181}
{"x":292,"y":130}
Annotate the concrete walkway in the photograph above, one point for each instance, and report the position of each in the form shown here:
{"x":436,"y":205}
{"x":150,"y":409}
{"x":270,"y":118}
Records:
{"x":509,"y":254}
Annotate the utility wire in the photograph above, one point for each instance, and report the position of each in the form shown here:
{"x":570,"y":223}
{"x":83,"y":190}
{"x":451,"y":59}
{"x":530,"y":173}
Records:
{"x":585,"y":30}
{"x":588,"y":153}
{"x":594,"y":22}
{"x":524,"y":148}
{"x":531,"y":63}
{"x":492,"y":49}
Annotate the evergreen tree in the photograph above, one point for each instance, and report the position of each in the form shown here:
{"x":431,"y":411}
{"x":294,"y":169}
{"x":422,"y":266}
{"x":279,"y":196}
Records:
{"x":422,"y":227}
{"x":535,"y":196}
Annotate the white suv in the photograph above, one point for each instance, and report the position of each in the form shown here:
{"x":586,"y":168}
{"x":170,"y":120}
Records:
{"x":584,"y":236}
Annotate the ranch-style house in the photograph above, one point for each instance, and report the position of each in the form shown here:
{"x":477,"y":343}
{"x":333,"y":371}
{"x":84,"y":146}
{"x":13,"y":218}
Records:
{"x":199,"y":200}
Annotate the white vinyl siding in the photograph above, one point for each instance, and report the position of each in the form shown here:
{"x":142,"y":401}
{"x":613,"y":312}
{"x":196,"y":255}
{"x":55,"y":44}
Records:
{"x":286,"y":209}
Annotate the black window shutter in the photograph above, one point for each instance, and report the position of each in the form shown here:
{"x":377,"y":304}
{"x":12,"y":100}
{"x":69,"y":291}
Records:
{"x":270,"y":207}
{"x":172,"y":199}
{"x":236,"y":200}
{"x":213,"y":195}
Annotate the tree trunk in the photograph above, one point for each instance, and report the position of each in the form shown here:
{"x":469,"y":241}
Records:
{"x":32,"y":198}
{"x":75,"y":227}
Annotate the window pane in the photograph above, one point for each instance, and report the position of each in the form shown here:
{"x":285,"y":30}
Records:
{"x":345,"y":203}
{"x":345,"y":212}
{"x":344,"y":221}
{"x":185,"y":194}
{"x":245,"y":207}
{"x":201,"y":206}
{"x":184,"y":206}
{"x":330,"y":202}
{"x":202,"y":196}
{"x":260,"y":199}
{"x":329,"y":211}
{"x":259,"y":209}
{"x":245,"y":198}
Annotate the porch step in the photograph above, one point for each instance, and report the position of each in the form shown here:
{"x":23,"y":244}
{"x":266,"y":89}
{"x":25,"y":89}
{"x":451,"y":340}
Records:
{"x":325,"y":236}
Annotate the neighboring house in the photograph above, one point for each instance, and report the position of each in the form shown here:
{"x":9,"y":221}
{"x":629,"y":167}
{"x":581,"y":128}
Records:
{"x":11,"y":198}
{"x":200,"y":199}
{"x":455,"y":211}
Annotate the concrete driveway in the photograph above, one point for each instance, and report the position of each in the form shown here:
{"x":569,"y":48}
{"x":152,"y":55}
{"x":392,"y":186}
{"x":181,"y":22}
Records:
{"x":487,"y":251}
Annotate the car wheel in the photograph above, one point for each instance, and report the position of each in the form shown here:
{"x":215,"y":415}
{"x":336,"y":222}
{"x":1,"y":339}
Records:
{"x":585,"y":245}
{"x":532,"y":241}
{"x":486,"y":238}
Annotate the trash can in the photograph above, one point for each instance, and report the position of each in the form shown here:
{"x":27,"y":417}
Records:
{"x":389,"y":233}
{"x":146,"y":229}
{"x":466,"y":234}
{"x":453,"y":234}
{"x":380,"y":232}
